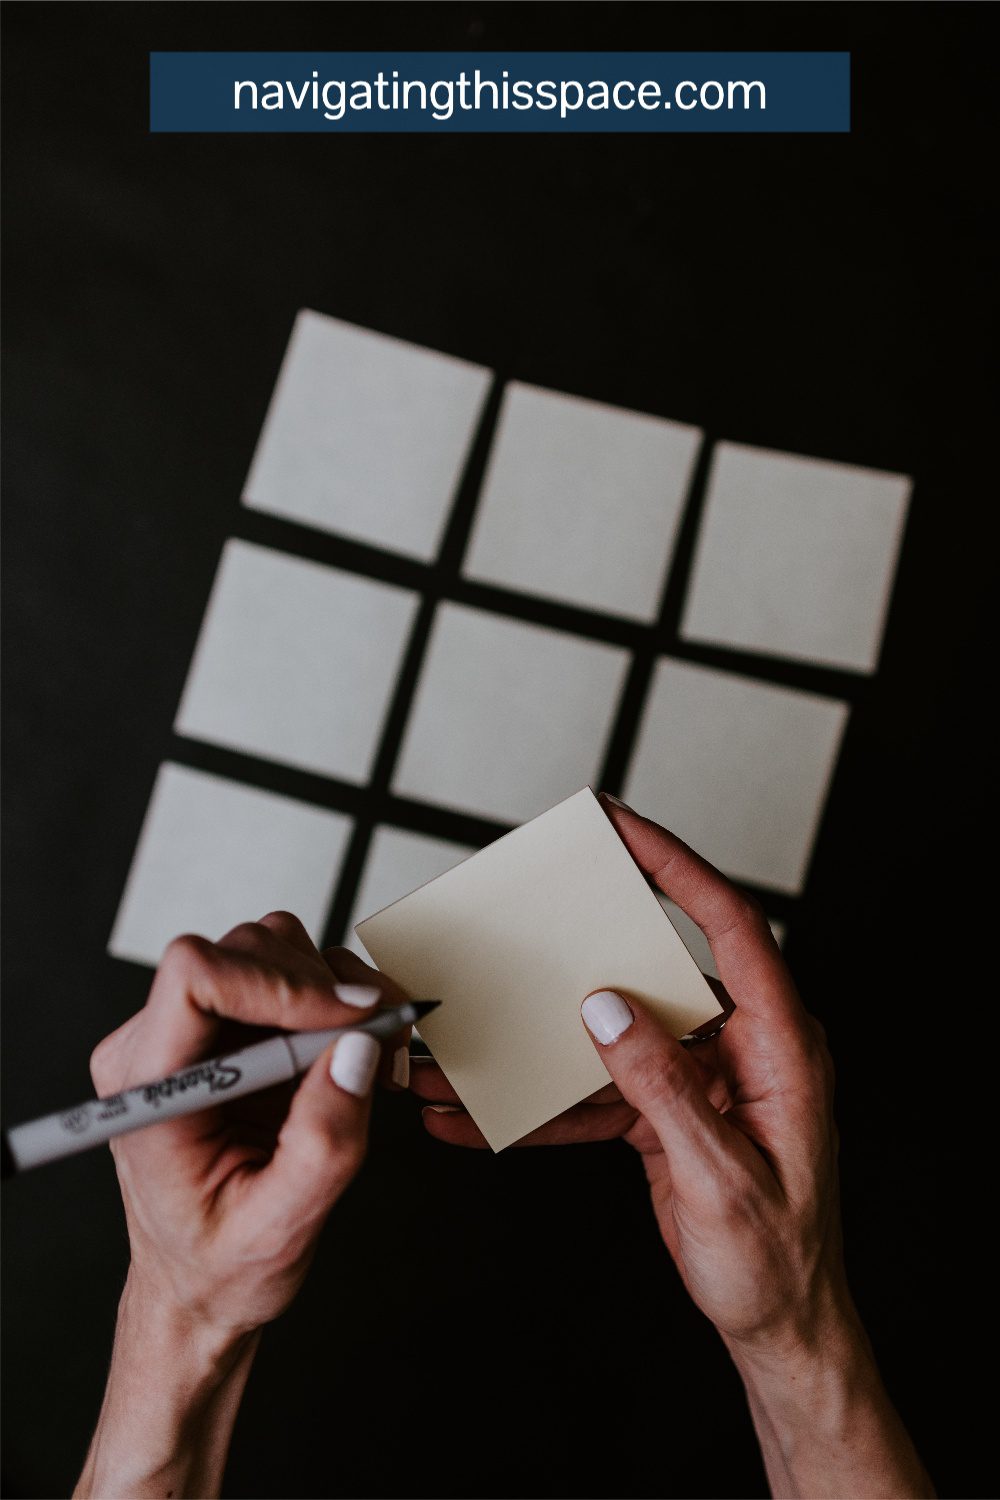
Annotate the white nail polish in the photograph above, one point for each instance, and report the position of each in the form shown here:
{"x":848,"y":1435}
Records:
{"x":616,"y":801}
{"x":401,"y":1067}
{"x":355,"y":1059}
{"x":606,"y":1016}
{"x":361,"y":995}
{"x":443,"y":1109}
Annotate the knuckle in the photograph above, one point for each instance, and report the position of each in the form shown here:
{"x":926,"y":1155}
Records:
{"x":659,"y":1074}
{"x":249,"y":937}
{"x":109,"y":1059}
{"x":752,"y":908}
{"x":282,"y":923}
{"x":185,"y":953}
{"x":754,"y":918}
{"x":743,"y":914}
{"x":313,"y":1155}
{"x":101,"y":1064}
{"x":285,"y":991}
{"x":332,"y":1158}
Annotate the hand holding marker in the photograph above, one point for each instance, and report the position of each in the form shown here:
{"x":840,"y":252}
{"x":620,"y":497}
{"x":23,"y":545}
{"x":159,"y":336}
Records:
{"x":225,"y":1206}
{"x":278,"y":1060}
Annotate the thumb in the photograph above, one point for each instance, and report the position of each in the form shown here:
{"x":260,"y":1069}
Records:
{"x":658,"y":1078}
{"x":323,"y":1141}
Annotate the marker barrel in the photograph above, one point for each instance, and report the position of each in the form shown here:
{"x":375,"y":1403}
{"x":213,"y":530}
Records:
{"x":201,"y":1086}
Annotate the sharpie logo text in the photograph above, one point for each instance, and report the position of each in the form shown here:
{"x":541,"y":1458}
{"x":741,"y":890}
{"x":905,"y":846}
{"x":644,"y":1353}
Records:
{"x":217,"y":1076}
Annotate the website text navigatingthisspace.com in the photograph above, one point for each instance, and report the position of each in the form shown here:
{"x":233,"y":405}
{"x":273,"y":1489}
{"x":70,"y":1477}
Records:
{"x":441,"y":99}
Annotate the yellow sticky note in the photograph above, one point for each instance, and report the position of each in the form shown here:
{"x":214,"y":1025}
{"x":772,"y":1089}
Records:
{"x":511,"y":941}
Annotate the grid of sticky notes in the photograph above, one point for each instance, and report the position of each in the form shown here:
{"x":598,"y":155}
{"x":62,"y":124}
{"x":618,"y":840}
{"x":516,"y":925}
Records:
{"x":296,"y":663}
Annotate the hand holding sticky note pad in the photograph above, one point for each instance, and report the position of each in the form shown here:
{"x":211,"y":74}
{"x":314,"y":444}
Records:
{"x":512,"y":940}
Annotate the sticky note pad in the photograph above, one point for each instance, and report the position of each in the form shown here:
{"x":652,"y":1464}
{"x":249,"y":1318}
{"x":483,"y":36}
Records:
{"x":796,"y":557}
{"x":296,"y":662}
{"x":366,"y":436}
{"x":507,"y":716}
{"x":511,"y":941}
{"x":737,"y":768}
{"x":213,"y":853}
{"x":581,"y":502}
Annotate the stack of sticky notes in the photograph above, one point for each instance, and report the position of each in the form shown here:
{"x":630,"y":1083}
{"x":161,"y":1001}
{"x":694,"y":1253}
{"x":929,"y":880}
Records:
{"x":512,"y":940}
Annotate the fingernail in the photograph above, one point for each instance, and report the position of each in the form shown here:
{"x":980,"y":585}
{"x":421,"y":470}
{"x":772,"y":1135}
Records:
{"x":606,"y":1016}
{"x":401,"y":1067}
{"x":361,"y":995}
{"x":616,"y":801}
{"x":354,"y":1061}
{"x":442,"y":1109}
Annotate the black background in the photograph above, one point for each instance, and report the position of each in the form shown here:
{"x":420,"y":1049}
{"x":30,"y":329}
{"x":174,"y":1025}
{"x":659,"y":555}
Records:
{"x":822,"y":295}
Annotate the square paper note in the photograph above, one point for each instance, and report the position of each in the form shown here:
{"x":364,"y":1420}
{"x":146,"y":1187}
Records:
{"x":796,"y":557}
{"x":581,"y":502}
{"x":511,"y":942}
{"x":296,"y":662}
{"x":213,"y":853}
{"x":739,"y":769}
{"x":507,"y":716}
{"x":366,"y":436}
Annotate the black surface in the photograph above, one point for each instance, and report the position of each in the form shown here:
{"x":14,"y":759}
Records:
{"x":826,"y":296}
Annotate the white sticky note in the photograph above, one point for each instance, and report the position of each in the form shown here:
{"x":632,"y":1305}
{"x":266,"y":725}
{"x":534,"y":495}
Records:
{"x":213,"y":853}
{"x":737,"y":768}
{"x":511,"y":941}
{"x":366,"y":436}
{"x":694,"y":939}
{"x":581,"y":502}
{"x":507,"y":716}
{"x":296,"y":662}
{"x":397,"y":862}
{"x":796,"y":557}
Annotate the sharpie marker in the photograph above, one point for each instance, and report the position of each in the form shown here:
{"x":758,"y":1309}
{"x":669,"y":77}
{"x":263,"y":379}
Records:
{"x":203,"y":1084}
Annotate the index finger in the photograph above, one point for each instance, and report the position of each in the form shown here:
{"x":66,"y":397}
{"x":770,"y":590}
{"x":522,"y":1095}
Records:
{"x":748,"y":958}
{"x":199,"y":985}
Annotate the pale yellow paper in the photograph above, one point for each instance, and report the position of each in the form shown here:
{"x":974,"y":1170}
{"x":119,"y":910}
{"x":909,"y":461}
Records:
{"x":511,"y":940}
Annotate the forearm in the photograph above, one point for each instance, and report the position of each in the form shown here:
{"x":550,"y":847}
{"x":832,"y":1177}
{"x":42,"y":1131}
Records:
{"x":173,"y":1392}
{"x":825,"y":1424}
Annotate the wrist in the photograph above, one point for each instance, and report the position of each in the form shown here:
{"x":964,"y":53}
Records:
{"x":823,"y":1417}
{"x":814,"y":1342}
{"x":804,"y":1378}
{"x":180,"y":1348}
{"x":173,"y":1391}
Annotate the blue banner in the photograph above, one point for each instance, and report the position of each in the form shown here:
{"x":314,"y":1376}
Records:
{"x":496,"y":92}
